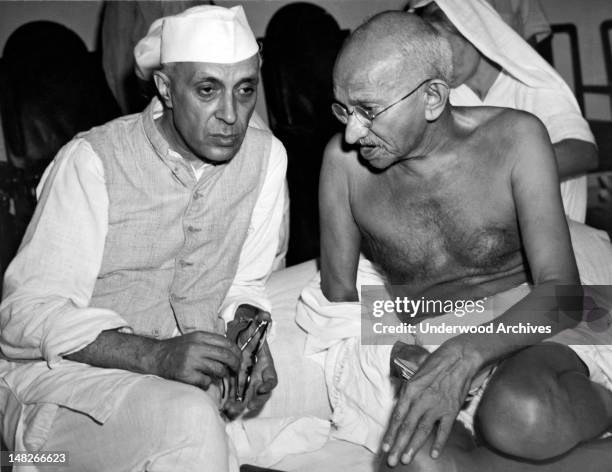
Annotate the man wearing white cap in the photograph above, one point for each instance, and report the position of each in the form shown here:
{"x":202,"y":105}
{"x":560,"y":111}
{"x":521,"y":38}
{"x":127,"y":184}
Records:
{"x":151,"y":234}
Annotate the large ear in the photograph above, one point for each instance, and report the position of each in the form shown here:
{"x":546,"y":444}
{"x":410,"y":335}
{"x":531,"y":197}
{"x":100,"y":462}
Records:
{"x":162,"y":82}
{"x":436,"y":98}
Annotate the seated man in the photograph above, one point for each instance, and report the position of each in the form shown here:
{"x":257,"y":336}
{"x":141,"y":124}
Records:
{"x":456,"y":204}
{"x":151,"y":233}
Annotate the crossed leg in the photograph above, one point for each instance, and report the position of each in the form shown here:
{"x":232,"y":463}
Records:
{"x":159,"y":426}
{"x":540,"y":413}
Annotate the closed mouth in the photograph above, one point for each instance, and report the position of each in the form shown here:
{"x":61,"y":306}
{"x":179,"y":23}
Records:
{"x":225,"y":139}
{"x":367,"y":151}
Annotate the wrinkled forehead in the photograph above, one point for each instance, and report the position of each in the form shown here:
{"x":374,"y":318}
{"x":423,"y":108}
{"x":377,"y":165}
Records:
{"x":247,"y":69}
{"x":363,"y":77}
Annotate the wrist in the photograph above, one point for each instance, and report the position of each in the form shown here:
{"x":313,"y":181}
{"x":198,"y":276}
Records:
{"x":469,"y":354}
{"x":153,"y":358}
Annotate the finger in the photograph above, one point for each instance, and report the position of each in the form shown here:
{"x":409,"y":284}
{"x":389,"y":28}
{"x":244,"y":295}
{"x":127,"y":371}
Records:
{"x":233,"y":408}
{"x":403,"y":436}
{"x":402,"y":406}
{"x":258,"y":401}
{"x":267,"y":386}
{"x":212,"y":368}
{"x":219,"y":344}
{"x":199,"y":379}
{"x":270,"y":381}
{"x":263,"y":316}
{"x":445,"y":427}
{"x":422,"y":431}
{"x":212,"y":339}
{"x":243,"y":375}
{"x":219,"y":354}
{"x":254,"y":398}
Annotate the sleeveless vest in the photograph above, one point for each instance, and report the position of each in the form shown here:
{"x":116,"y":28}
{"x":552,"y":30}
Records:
{"x":173,"y":242}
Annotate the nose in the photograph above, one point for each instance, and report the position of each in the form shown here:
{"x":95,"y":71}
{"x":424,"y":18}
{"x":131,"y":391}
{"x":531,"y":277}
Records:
{"x":227,"y":109}
{"x":354,"y":130}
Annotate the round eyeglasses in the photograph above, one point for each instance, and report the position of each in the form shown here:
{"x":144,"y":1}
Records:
{"x":364,"y":116}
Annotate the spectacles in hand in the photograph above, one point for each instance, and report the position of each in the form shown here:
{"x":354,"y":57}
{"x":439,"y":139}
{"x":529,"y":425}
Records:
{"x":261,"y":328}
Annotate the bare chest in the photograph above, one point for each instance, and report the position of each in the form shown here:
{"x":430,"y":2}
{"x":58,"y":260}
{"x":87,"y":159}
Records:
{"x":426,"y":236}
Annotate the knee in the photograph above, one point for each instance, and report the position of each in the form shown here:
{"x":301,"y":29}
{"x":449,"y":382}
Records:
{"x":187,"y":413}
{"x":189,"y":432}
{"x":521,"y":419}
{"x":192,"y":412}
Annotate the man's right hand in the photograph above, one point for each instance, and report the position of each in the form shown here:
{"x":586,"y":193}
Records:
{"x":197,"y":358}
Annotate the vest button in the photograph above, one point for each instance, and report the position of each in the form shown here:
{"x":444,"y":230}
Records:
{"x":184,"y":263}
{"x":193,"y":229}
{"x":156,"y":333}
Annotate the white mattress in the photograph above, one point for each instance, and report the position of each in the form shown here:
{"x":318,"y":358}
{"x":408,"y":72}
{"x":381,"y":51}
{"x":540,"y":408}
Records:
{"x":301,"y":389}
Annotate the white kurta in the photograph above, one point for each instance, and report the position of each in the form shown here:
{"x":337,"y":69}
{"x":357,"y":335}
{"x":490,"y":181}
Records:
{"x":49,"y":284}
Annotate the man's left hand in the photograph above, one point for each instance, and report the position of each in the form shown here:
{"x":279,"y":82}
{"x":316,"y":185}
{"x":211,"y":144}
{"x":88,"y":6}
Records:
{"x":432,"y":397}
{"x":263,"y":378}
{"x":263,"y":381}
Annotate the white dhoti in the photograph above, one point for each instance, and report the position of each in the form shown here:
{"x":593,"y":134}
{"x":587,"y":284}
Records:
{"x":360,"y":388}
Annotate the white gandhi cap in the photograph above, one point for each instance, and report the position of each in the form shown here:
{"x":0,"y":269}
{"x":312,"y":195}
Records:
{"x":200,"y":34}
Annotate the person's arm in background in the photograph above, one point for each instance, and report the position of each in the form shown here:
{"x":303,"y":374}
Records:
{"x":575,"y":157}
{"x":48,"y":286}
{"x":573,"y":142}
{"x":575,"y":152}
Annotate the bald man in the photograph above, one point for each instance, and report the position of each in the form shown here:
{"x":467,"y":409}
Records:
{"x":134,"y":313}
{"x":454,"y":204}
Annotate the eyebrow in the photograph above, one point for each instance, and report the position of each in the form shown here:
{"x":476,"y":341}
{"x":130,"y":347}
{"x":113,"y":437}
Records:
{"x":360,"y":101}
{"x":254,"y":80}
{"x":249,"y":80}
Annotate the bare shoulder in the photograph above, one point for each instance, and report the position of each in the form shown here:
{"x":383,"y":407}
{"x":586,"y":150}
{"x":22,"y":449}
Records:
{"x":527,"y":138}
{"x":502,"y":121}
{"x":336,"y":153}
{"x":527,"y":149}
{"x":515,"y":133}
{"x":339,"y":161}
{"x":521,"y":123}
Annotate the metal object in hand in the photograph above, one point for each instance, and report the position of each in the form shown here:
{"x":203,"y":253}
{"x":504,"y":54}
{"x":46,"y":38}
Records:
{"x":262,"y":326}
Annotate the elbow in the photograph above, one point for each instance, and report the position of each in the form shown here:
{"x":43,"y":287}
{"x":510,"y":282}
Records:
{"x":338,"y":294}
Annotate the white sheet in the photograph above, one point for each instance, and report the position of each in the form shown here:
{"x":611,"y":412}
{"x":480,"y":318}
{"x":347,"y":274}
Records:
{"x":301,"y":380}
